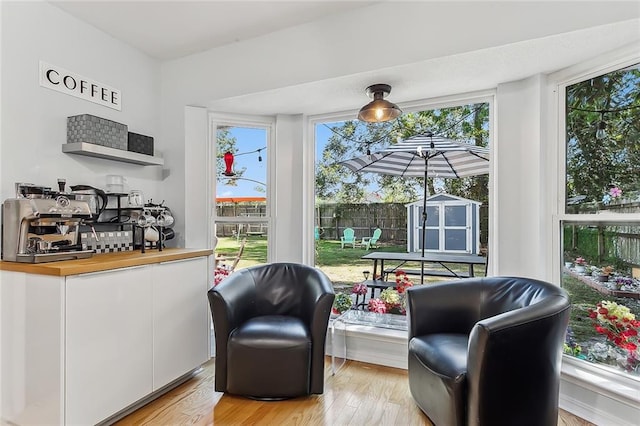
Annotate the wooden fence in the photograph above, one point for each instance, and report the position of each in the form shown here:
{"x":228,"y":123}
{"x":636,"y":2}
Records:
{"x":332,"y":218}
{"x":607,"y":243}
{"x":391,"y":218}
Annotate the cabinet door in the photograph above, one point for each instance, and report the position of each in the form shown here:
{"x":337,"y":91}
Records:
{"x":180,"y":318}
{"x":108,"y":342}
{"x":31,"y":338}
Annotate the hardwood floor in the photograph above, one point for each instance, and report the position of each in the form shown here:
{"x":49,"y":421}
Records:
{"x":360,"y":394}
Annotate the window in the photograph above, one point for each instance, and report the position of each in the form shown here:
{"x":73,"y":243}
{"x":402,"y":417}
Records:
{"x":242,"y":215}
{"x":365,"y":202}
{"x":599,"y":218}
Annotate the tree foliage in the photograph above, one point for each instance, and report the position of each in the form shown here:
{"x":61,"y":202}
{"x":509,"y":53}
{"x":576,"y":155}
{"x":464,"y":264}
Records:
{"x":595,"y":165}
{"x":467,"y":123}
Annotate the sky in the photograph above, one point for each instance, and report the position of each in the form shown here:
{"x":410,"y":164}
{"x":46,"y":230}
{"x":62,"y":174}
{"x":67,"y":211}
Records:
{"x":248,"y":140}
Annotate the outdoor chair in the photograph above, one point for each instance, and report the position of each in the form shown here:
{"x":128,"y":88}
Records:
{"x":482,"y":350}
{"x":348,"y":238}
{"x":270,"y":330}
{"x":369,"y":242}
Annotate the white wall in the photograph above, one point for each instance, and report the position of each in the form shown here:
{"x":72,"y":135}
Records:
{"x":287,"y":197}
{"x":518,"y":237}
{"x":34,"y":118}
{"x":197,"y":218}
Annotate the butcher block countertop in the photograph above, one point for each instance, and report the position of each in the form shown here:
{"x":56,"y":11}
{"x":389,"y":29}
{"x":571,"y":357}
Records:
{"x":104,"y":262}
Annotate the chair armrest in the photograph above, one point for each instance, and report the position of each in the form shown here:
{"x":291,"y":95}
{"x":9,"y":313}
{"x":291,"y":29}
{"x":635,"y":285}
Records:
{"x":515,"y":347}
{"x":318,"y":300}
{"x":232,"y":302}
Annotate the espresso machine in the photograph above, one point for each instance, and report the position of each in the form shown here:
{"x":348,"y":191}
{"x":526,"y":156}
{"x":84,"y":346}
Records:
{"x":36,"y":230}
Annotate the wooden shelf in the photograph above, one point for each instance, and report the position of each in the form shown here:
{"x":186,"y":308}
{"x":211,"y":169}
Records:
{"x":99,"y":151}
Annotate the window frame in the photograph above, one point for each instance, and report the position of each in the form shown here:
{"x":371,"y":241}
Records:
{"x":604,"y":380}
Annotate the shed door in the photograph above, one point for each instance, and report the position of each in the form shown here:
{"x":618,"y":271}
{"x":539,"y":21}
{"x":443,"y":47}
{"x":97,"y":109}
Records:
{"x":448,"y":227}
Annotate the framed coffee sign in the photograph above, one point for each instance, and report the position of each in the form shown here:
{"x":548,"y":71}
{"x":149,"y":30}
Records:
{"x":64,"y":81}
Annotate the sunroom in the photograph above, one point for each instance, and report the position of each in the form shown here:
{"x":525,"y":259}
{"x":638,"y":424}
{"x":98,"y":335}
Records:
{"x":519,"y":58}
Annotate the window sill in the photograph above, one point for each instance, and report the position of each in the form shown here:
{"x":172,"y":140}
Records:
{"x":602,"y":380}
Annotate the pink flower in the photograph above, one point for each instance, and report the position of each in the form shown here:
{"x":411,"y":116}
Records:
{"x":615,"y":192}
{"x":220,"y":274}
{"x":377,"y":306}
{"x":360,"y":289}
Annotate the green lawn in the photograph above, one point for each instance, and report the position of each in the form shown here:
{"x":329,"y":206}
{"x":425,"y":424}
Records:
{"x":344,"y":266}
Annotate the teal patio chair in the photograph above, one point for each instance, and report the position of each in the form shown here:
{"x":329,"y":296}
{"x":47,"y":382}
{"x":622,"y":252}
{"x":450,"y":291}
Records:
{"x":371,"y":242}
{"x":348,"y":238}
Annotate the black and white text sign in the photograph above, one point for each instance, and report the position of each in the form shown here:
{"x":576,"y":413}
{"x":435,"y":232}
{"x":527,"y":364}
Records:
{"x":61,"y":80}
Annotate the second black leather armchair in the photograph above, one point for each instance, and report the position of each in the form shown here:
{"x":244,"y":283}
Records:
{"x":487,"y":351}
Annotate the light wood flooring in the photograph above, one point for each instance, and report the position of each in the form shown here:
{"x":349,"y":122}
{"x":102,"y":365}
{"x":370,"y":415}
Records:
{"x":359,"y":394}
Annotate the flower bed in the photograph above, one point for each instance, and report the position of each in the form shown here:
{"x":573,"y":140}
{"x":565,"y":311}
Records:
{"x":629,"y":287}
{"x":390,"y":301}
{"x":620,"y":327}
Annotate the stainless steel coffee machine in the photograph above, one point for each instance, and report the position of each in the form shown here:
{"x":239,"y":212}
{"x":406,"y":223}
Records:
{"x":36,"y":230}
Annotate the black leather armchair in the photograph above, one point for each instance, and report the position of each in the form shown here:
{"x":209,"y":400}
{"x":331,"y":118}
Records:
{"x":270,"y":324}
{"x":487,"y":351}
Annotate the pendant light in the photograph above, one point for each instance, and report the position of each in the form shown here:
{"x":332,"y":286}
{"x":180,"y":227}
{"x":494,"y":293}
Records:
{"x":378,"y":110}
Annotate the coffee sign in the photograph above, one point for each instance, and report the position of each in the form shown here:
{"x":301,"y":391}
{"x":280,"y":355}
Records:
{"x":61,"y":80}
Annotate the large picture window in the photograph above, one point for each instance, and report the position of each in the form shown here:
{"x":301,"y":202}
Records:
{"x":600,"y":218}
{"x":362,"y":202}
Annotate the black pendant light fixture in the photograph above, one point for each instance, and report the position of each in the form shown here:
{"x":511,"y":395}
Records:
{"x":379,"y":110}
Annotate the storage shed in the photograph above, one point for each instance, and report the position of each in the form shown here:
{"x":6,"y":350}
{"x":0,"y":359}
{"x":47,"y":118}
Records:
{"x":453,"y":225}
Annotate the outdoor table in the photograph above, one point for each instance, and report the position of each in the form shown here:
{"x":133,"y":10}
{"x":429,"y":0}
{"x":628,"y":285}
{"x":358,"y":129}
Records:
{"x":429,"y":257}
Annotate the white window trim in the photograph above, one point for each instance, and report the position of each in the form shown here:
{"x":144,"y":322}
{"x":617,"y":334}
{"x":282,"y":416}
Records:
{"x":608,"y":382}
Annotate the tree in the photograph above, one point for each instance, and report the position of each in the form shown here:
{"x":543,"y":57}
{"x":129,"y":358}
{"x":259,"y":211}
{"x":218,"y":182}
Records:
{"x":353,"y":138}
{"x":594,"y":165}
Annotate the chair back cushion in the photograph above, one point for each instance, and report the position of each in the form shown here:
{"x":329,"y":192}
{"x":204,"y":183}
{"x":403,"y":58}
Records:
{"x":504,"y":294}
{"x":282,"y":289}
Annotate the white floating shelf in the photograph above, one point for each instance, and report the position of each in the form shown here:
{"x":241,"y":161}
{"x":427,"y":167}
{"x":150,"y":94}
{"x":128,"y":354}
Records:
{"x":99,"y":151}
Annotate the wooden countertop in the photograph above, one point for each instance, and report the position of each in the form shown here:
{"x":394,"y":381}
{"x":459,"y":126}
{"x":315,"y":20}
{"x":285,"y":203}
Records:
{"x":104,"y":262}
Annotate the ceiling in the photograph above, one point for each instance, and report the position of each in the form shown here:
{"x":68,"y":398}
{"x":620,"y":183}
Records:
{"x":171,"y":29}
{"x":167,"y":30}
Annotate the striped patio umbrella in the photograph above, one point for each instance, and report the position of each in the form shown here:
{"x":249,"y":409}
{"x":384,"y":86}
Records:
{"x":424,"y":156}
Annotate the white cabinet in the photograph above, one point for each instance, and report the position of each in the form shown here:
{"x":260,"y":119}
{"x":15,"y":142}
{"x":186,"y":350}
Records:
{"x":108,"y":342}
{"x":180,"y":318}
{"x":77,"y":350}
{"x":31,"y":361}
